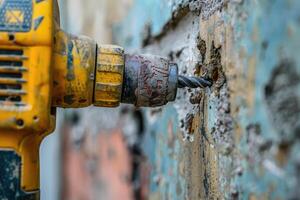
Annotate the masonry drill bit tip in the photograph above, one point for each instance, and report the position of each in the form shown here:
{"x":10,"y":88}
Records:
{"x":193,"y":82}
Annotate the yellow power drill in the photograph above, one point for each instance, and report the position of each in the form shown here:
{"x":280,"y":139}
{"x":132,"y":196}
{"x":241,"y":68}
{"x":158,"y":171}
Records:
{"x":42,"y":68}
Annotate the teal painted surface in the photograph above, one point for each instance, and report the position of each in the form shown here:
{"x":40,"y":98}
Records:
{"x":258,"y":147}
{"x":162,"y":147}
{"x":144,"y":14}
{"x":148,"y":18}
{"x":276,"y":24}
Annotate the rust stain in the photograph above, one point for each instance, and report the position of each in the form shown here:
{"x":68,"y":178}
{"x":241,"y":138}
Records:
{"x":171,"y":137}
{"x":196,"y":97}
{"x":250,"y":82}
{"x":282,"y":154}
{"x":212,"y":68}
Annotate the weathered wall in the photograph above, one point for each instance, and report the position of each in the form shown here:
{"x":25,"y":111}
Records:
{"x":239,"y":139}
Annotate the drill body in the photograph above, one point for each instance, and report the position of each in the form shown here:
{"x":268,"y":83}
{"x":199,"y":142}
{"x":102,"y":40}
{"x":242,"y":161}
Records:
{"x":42,"y":68}
{"x":26,"y":117}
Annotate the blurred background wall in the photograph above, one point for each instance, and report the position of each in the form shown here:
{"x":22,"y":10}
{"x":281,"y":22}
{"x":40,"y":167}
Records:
{"x":237,"y":140}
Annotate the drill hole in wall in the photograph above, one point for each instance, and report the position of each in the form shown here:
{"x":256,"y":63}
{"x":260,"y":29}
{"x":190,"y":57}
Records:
{"x":20,"y":123}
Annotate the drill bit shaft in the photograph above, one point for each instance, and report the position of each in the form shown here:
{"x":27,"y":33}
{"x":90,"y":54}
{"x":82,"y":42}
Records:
{"x":193,"y":82}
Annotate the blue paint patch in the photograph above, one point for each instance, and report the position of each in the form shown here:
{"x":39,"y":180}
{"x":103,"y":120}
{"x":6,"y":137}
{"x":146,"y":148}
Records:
{"x":269,"y":21}
{"x":37,"y":22}
{"x":145,"y":14}
{"x":10,"y":177}
{"x":70,"y":67}
{"x":15,"y":15}
{"x":162,"y":148}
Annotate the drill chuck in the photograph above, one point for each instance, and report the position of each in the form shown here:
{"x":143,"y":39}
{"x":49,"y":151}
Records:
{"x":151,"y":81}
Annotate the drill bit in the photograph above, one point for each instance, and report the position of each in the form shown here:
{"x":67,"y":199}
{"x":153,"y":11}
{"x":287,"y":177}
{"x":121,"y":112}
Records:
{"x":193,"y":82}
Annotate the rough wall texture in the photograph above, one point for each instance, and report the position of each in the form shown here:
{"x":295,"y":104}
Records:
{"x":236,"y":140}
{"x":239,"y":139}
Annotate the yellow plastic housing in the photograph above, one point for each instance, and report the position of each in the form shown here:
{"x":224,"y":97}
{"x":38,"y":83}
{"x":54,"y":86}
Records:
{"x":26,"y":82}
{"x":26,"y":89}
{"x":40,"y":33}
